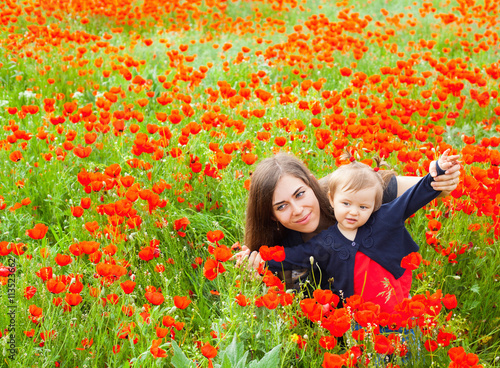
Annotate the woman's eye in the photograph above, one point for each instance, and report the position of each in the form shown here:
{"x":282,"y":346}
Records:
{"x":280,"y":207}
{"x":300,"y":194}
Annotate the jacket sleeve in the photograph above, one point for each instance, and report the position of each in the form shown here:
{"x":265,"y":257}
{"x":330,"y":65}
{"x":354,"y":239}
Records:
{"x":413,"y":199}
{"x":310,"y":254}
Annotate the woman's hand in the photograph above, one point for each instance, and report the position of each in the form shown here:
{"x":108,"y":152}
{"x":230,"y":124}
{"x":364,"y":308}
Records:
{"x":252,"y":260}
{"x":447,"y":182}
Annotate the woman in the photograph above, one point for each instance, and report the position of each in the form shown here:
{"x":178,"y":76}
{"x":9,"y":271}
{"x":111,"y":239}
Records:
{"x":287,"y":205}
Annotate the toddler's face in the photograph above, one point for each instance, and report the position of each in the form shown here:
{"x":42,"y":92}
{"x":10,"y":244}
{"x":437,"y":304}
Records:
{"x":352,"y":209}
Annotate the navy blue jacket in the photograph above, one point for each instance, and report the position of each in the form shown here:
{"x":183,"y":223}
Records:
{"x":383,"y":238}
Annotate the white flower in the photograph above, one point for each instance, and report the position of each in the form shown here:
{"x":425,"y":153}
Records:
{"x":27,"y":94}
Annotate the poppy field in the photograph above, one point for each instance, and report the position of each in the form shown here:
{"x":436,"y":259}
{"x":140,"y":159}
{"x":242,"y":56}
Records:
{"x":130,"y":132}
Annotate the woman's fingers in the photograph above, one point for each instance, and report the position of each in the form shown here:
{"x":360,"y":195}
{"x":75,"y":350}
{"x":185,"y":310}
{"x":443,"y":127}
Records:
{"x":241,"y":256}
{"x":445,"y":186}
{"x":254,"y":260}
{"x":251,"y":259}
{"x":447,"y":182}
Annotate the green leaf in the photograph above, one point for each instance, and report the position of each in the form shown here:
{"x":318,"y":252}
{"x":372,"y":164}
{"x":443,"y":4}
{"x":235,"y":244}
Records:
{"x":475,"y":288}
{"x":242,"y":362}
{"x":234,"y":351}
{"x":226,"y":363}
{"x":271,"y":359}
{"x":180,"y":360}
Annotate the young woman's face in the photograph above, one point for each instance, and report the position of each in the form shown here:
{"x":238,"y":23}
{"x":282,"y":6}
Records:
{"x":352,"y":209}
{"x":295,"y":205}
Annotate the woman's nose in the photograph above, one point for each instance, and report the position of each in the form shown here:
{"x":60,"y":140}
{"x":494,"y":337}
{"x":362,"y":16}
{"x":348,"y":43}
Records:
{"x":297,"y":209}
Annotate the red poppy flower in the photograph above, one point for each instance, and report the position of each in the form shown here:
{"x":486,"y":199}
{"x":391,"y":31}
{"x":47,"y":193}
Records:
{"x":44,"y":335}
{"x":337,"y":323}
{"x":55,"y":286}
{"x":92,"y":226}
{"x":5,"y":248}
{"x":38,"y":232}
{"x":128,"y":286}
{"x":449,"y":301}
{"x":222,"y":253}
{"x":276,"y":253}
{"x":6,"y":271}
{"x":249,"y":158}
{"x":29,"y":292}
{"x":35,"y":311}
{"x":168,"y":321}
{"x":208,"y":351}
{"x":63,"y":259}
{"x":359,"y":334}
{"x":82,"y":152}
{"x":365,"y":317}
{"x":430,"y":345}
{"x":382,"y":344}
{"x":345,"y":72}
{"x":16,"y":156}
{"x":445,"y":338}
{"x":325,"y":297}
{"x":212,"y":269}
{"x":328,"y":342}
{"x":113,"y":298}
{"x":155,"y":298}
{"x":45,"y":273}
{"x":411,"y":261}
{"x":242,"y":300}
{"x":181,"y":302}
{"x":77,"y":211}
{"x":270,"y":300}
{"x":215,"y":236}
{"x":30,"y":333}
{"x":311,"y":309}
{"x":156,"y":351}
{"x":148,"y":253}
{"x":332,"y":361}
{"x":73,"y":299}
{"x":161,"y":332}
{"x":89,"y":247}
{"x":85,"y":203}
{"x":76,"y":287}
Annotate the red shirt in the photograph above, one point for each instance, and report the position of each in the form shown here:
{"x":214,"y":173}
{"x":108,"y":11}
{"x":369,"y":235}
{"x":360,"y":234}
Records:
{"x":370,"y":280}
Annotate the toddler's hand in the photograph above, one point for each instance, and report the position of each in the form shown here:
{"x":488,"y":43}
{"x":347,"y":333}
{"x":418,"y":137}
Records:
{"x":447,"y":163}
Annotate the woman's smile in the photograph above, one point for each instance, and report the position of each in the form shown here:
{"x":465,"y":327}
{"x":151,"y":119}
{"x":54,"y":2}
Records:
{"x":304,"y":219}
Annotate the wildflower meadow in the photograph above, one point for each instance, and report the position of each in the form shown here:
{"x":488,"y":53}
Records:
{"x":130,"y":130}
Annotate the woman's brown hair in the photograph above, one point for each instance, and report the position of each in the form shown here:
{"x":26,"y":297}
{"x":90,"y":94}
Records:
{"x":260,"y":228}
